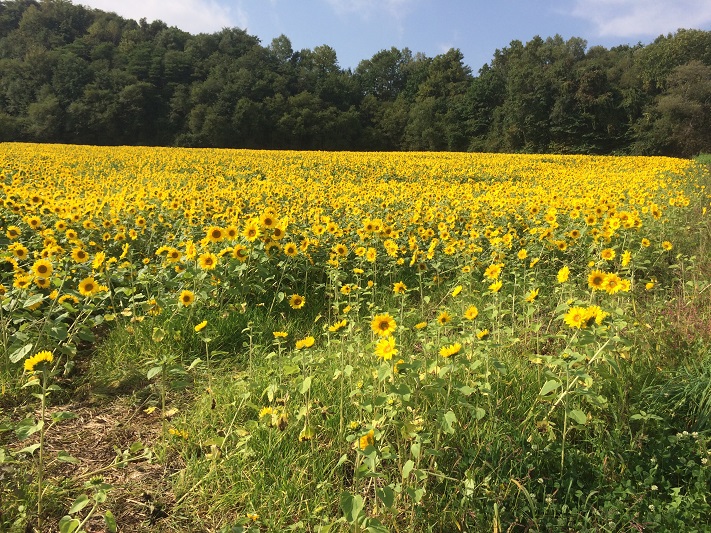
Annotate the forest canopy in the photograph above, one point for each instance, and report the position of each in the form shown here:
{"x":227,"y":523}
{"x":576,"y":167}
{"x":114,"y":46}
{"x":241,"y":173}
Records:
{"x":71,"y":74}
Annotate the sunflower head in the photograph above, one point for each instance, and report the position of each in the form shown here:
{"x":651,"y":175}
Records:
{"x":383,"y":325}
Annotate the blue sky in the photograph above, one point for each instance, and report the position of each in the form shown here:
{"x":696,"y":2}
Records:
{"x":357,"y":29}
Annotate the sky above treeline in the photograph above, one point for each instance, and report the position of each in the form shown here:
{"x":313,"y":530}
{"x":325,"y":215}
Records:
{"x":357,"y":29}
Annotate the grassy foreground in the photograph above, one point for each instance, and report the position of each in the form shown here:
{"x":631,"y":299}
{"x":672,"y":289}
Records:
{"x":219,"y":340}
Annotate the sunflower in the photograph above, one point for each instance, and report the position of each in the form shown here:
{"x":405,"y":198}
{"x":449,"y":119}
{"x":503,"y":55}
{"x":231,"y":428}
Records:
{"x":471,"y":313}
{"x":371,"y":254}
{"x":252,"y":230}
{"x":340,"y":250}
{"x":186,"y":298}
{"x":456,"y":291}
{"x":667,"y":246}
{"x":496,"y":286}
{"x":44,"y":356}
{"x":13,"y":232}
{"x":444,"y":318}
{"x":449,"y":351}
{"x":88,"y":287}
{"x":231,"y":232}
{"x":306,"y":342}
{"x":399,"y":287}
{"x":385,"y":348}
{"x":290,"y":249}
{"x":596,"y":279}
{"x":532,"y":295}
{"x":522,"y":254}
{"x":208,"y":261}
{"x":296,"y":301}
{"x":612,"y":284}
{"x":268,"y":219}
{"x":383,"y":325}
{"x":172,"y":255}
{"x":42,"y":283}
{"x":239,"y":252}
{"x":19,"y":251}
{"x":215,"y":234}
{"x":22,"y":281}
{"x":608,"y":254}
{"x":493,"y":271}
{"x":278,"y":232}
{"x":576,"y":317}
{"x":338,"y":325}
{"x":42,"y":268}
{"x":563,"y":274}
{"x":201,"y":326}
{"x":366,"y":440}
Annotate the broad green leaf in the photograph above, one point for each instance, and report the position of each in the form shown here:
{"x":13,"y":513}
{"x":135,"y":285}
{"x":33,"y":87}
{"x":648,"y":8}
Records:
{"x":20,"y":353}
{"x":578,"y":416}
{"x":352,"y":506}
{"x":64,"y":457}
{"x":407,"y":468}
{"x":62,"y":415}
{"x":549,"y":386}
{"x":67,"y":524}
{"x":110,"y":521}
{"x":79,"y":504}
{"x":305,"y":385}
{"x":386,"y":495}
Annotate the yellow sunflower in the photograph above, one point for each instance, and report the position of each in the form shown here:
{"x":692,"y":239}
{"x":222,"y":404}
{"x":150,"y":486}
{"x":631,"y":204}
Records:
{"x":383,"y":325}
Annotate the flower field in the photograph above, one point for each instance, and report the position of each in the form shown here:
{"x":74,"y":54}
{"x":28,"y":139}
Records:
{"x":357,"y":341}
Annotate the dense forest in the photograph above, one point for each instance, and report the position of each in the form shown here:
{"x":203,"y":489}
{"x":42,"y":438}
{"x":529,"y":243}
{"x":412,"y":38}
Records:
{"x":72,"y":74}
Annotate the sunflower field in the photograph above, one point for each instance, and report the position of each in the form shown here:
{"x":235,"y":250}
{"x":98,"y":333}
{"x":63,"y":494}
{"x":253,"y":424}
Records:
{"x":235,"y":340}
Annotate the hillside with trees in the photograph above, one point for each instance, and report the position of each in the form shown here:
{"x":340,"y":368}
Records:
{"x":71,"y":74}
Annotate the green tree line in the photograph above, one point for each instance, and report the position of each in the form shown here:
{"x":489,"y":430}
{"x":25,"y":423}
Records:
{"x":77,"y":75}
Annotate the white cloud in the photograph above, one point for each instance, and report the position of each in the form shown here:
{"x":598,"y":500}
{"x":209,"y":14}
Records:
{"x":634,"y":18}
{"x":194,"y":16}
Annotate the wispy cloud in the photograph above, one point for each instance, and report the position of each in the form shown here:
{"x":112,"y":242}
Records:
{"x":634,"y":18}
{"x":194,"y":16}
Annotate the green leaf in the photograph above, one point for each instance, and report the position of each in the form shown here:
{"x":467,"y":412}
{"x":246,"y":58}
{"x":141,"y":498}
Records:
{"x":386,"y":495}
{"x":64,"y":457}
{"x":32,"y":300}
{"x":62,"y":415}
{"x":158,"y":335}
{"x":407,"y":468}
{"x":30,"y":449}
{"x":79,"y":504}
{"x":110,"y":521}
{"x":20,"y":353}
{"x":549,"y":386}
{"x":28,"y":427}
{"x":305,"y":385}
{"x":154,"y":371}
{"x":352,"y":507}
{"x":448,"y":422}
{"x":290,"y":370}
{"x":67,"y":524}
{"x":578,"y":416}
{"x":466,"y":390}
